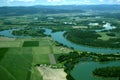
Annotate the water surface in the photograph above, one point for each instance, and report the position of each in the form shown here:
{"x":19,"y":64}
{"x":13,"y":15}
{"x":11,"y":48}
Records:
{"x":83,"y":70}
{"x":58,"y":36}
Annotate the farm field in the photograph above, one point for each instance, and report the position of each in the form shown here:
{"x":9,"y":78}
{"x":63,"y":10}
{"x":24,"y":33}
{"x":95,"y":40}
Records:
{"x":19,"y":57}
{"x":48,"y":42}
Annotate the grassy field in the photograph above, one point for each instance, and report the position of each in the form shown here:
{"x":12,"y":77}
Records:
{"x":18,"y":62}
{"x":10,"y":44}
{"x":41,"y":50}
{"x":103,"y":36}
{"x":6,"y":39}
{"x":35,"y":75}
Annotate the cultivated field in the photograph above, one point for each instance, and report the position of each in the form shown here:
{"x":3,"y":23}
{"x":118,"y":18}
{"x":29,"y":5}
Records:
{"x":18,"y":57}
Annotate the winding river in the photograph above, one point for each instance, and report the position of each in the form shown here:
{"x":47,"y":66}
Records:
{"x":82,"y":70}
{"x":58,"y":36}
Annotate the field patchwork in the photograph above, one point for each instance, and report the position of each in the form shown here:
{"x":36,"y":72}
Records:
{"x":19,"y":57}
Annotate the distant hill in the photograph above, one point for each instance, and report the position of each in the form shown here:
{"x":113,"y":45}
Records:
{"x":84,"y":7}
{"x":18,"y":11}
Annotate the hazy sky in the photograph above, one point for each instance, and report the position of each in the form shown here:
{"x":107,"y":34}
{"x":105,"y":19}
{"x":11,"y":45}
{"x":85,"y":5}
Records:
{"x":54,"y":2}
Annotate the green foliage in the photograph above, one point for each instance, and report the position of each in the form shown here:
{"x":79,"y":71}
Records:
{"x":69,"y":77}
{"x":71,"y":59}
{"x":83,"y":34}
{"x":29,"y":32}
{"x":107,"y":72}
{"x":91,"y":38}
{"x":111,"y":34}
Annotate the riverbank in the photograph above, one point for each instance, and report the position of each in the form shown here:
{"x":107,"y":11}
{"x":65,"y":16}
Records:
{"x":107,"y":72}
{"x":58,"y":36}
{"x":93,"y":39}
{"x":62,"y":40}
{"x":73,"y":58}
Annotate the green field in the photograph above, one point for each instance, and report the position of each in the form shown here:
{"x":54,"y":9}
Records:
{"x":104,"y":36}
{"x":16,"y":63}
{"x":19,"y":57}
{"x":2,"y":52}
{"x":10,"y":44}
{"x":31,"y":43}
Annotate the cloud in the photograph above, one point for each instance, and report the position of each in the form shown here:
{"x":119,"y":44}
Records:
{"x":118,"y":0}
{"x":55,"y":0}
{"x":101,"y":0}
{"x":87,"y":1}
{"x":22,"y":0}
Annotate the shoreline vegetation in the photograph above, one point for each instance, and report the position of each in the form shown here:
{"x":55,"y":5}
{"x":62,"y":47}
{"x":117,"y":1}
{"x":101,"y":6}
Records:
{"x":107,"y":72}
{"x":29,"y":32}
{"x":91,"y":38}
{"x":71,"y":59}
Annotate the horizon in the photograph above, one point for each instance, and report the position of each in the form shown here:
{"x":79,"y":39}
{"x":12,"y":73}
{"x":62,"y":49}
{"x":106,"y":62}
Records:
{"x":57,"y":2}
{"x":63,"y":5}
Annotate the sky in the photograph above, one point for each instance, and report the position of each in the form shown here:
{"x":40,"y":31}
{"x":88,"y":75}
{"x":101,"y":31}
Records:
{"x":55,"y":2}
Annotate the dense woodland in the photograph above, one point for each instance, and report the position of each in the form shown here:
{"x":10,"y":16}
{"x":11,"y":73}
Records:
{"x":107,"y":72}
{"x":90,"y":38}
{"x":29,"y":32}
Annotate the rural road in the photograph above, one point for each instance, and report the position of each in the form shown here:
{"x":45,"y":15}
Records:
{"x":52,"y":59}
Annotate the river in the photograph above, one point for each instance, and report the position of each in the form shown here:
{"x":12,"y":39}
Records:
{"x":82,"y":70}
{"x":58,"y":36}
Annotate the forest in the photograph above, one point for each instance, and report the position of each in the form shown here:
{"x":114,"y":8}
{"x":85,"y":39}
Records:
{"x":91,"y":38}
{"x":107,"y":72}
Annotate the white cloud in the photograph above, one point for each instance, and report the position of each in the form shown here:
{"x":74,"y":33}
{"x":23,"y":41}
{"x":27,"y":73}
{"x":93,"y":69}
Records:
{"x":101,"y":0}
{"x":87,"y":1}
{"x":22,"y":0}
{"x":118,"y":0}
{"x":55,"y":0}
